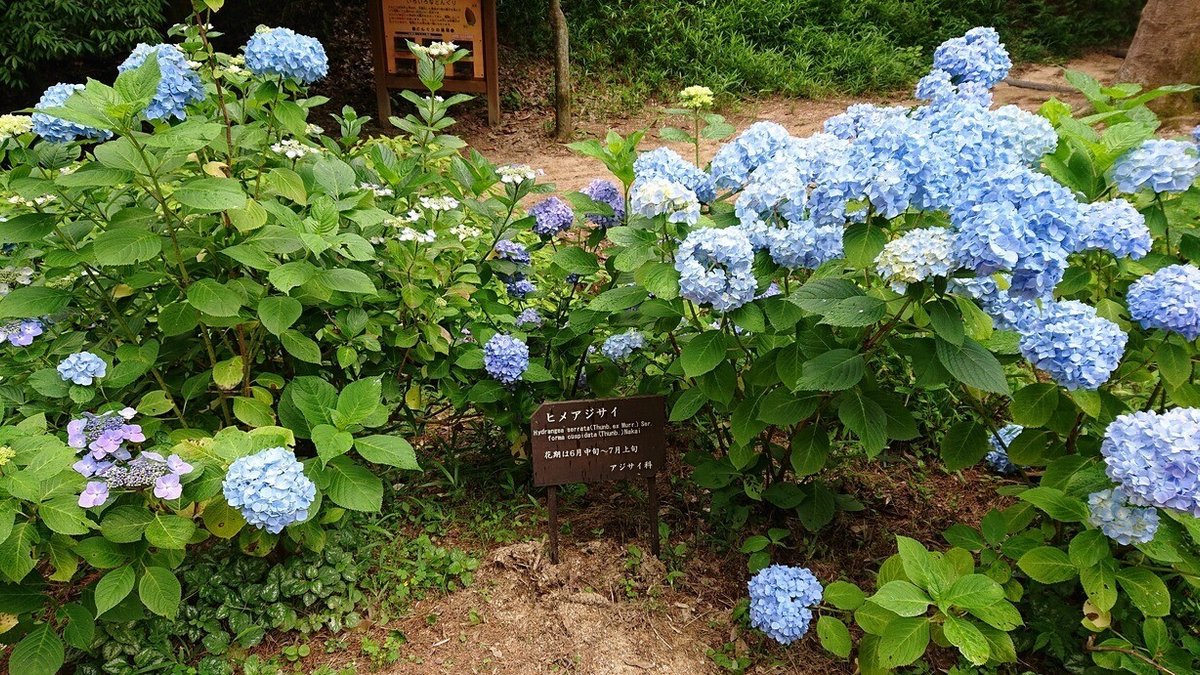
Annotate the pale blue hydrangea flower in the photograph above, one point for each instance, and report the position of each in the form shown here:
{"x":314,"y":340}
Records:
{"x":58,"y":130}
{"x":659,"y":197}
{"x":1075,"y":346}
{"x":977,"y":56}
{"x":1168,"y":300}
{"x":902,"y":166}
{"x":1008,"y":312}
{"x":916,"y":256}
{"x":519,"y":287}
{"x":282,"y":51}
{"x":860,"y":117}
{"x":781,"y":601}
{"x":804,"y":245}
{"x":997,"y":457}
{"x":178,"y":86}
{"x":82,"y":368}
{"x":512,"y":251}
{"x":732,"y":164}
{"x":1028,"y":136}
{"x":620,"y":346}
{"x":714,"y":268}
{"x":939,"y":89}
{"x":1155,"y":458}
{"x":505,"y":358}
{"x":772,"y":291}
{"x":1157,"y":165}
{"x":606,"y":192}
{"x":1196,"y":133}
{"x":270,"y":489}
{"x":552,"y":216}
{"x":668,"y":165}
{"x":20,"y":333}
{"x":529,"y":318}
{"x":1114,"y":226}
{"x":1110,"y":512}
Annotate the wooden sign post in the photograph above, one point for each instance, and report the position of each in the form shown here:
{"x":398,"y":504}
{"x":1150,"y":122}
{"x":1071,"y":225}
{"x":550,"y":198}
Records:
{"x":599,"y":440}
{"x":471,"y":24}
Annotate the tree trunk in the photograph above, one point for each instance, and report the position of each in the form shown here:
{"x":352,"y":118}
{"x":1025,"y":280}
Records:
{"x":1166,"y":50}
{"x":564,"y":127}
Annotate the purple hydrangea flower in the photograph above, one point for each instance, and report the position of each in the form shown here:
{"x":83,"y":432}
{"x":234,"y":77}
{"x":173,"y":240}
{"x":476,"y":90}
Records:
{"x":1110,"y":512}
{"x":606,"y":192}
{"x":552,"y":216}
{"x":270,"y":489}
{"x":21,"y":333}
{"x":1157,"y":165}
{"x":95,"y":494}
{"x":512,"y":251}
{"x":505,"y":358}
{"x":1074,"y":345}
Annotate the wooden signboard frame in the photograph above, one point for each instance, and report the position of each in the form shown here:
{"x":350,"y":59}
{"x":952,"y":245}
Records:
{"x":480,"y":80}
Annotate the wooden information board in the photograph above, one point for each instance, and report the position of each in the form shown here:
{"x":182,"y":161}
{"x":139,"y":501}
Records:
{"x":471,"y":24}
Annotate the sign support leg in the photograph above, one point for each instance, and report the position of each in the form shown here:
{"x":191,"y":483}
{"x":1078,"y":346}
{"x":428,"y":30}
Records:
{"x":652,"y":512}
{"x":552,"y":507}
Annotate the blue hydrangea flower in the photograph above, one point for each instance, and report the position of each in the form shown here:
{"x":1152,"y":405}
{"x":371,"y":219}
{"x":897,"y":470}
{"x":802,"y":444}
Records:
{"x":658,"y":197}
{"x":1008,"y":312}
{"x":58,"y":130}
{"x":977,"y":56}
{"x":619,"y":347}
{"x":1110,"y":512}
{"x":860,"y":117}
{"x":997,"y":457}
{"x":668,"y":165}
{"x":284,"y":52}
{"x":519,"y":287}
{"x":732,"y":164}
{"x":178,"y":86}
{"x":270,"y":489}
{"x":552,"y":216}
{"x":1168,"y":300}
{"x":781,"y":601}
{"x":939,"y":89}
{"x":512,"y":251}
{"x":505,"y":358}
{"x":1155,"y":458}
{"x":20,"y":333}
{"x":715,"y":268}
{"x":1114,"y":226}
{"x":772,"y":291}
{"x":82,"y":368}
{"x":805,"y":245}
{"x":1157,"y":165}
{"x":916,"y":256}
{"x":1028,"y":137}
{"x":606,"y":192}
{"x":1196,"y":133}
{"x":1075,"y":346}
{"x":529,"y":318}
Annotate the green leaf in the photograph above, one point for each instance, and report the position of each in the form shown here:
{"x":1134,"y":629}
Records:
{"x":214,"y":298}
{"x":1146,"y":590}
{"x":703,"y":353}
{"x":865,"y":418}
{"x":1001,"y":614}
{"x":160,"y":591}
{"x":918,"y":564}
{"x":1057,"y":505}
{"x":947,"y":321}
{"x":968,"y":638}
{"x":1088,"y":548}
{"x":660,"y":279}
{"x":348,"y":281}
{"x":617,"y":299}
{"x":253,"y":412}
{"x":33,"y":301}
{"x":902,"y":598}
{"x":688,"y":404}
{"x":81,"y":627}
{"x":575,"y":260}
{"x":972,"y":365}
{"x":844,"y":595}
{"x":169,"y":531}
{"x":835,"y":370}
{"x":27,"y":227}
{"x":113,"y":588}
{"x":126,"y":246}
{"x":210,"y":194}
{"x":227,"y":374}
{"x":810,"y":450}
{"x":335,"y":176}
{"x":64,"y":516}
{"x":300,"y":346}
{"x":862,"y":243}
{"x":903,"y":641}
{"x":1033,"y":405}
{"x":330,"y":442}
{"x":834,"y":636}
{"x":861,"y":310}
{"x":1100,"y":584}
{"x":222,"y":519}
{"x":970,"y":591}
{"x":387,"y":450}
{"x":1047,"y":565}
{"x":353,"y":487}
{"x":277,"y":313}
{"x":40,"y":653}
{"x":359,"y":400}
{"x":16,"y":552}
{"x":1174,"y":362}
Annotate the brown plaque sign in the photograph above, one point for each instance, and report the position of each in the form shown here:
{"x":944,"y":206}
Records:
{"x":603,"y":439}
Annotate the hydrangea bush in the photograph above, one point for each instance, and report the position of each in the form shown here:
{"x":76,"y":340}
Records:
{"x":1030,"y":274}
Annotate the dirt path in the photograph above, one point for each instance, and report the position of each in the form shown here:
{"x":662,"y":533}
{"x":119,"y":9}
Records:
{"x":524,"y":138}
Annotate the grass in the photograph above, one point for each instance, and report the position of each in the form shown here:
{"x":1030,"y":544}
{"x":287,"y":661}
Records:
{"x":801,"y":47}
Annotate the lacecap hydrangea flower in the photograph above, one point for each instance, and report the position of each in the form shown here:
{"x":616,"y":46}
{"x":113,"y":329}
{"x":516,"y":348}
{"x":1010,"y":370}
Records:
{"x":178,"y":86}
{"x":1168,"y":299}
{"x":1155,"y":458}
{"x":512,"y":251}
{"x":606,"y":192}
{"x":714,"y":268}
{"x":551,"y":216}
{"x":997,"y":457}
{"x":505,"y":358}
{"x":1075,"y":346}
{"x":1110,"y":512}
{"x":1157,"y":165}
{"x":270,"y":489}
{"x":58,"y":130}
{"x":620,"y":346}
{"x":82,"y":368}
{"x":659,"y":197}
{"x":1114,"y":226}
{"x":668,"y":165}
{"x":284,"y":52}
{"x":916,"y":256}
{"x":20,"y":333}
{"x":12,"y":277}
{"x":977,"y":56}
{"x":781,"y":601}
{"x":734,"y":162}
{"x":529,"y":318}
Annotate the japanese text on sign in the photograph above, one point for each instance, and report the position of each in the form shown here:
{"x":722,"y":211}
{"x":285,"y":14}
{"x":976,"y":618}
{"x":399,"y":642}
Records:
{"x":589,"y":441}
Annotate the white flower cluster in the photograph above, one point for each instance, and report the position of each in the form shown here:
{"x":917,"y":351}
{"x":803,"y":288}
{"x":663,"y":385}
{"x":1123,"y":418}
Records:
{"x":379,"y":190}
{"x":465,"y":232}
{"x":516,"y":174}
{"x":916,"y":256}
{"x":439,"y":50}
{"x":293,"y":149}
{"x":18,"y":200}
{"x":439,"y":203}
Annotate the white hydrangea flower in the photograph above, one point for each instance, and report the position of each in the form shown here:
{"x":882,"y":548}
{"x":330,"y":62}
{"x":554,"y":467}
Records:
{"x":465,"y":232}
{"x":439,"y":203}
{"x":916,"y":256}
{"x":293,"y":149}
{"x":379,"y":190}
{"x":517,"y":173}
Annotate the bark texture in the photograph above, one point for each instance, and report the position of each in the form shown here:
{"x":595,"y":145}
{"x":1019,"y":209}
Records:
{"x":1166,"y":50}
{"x":564,"y":126}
